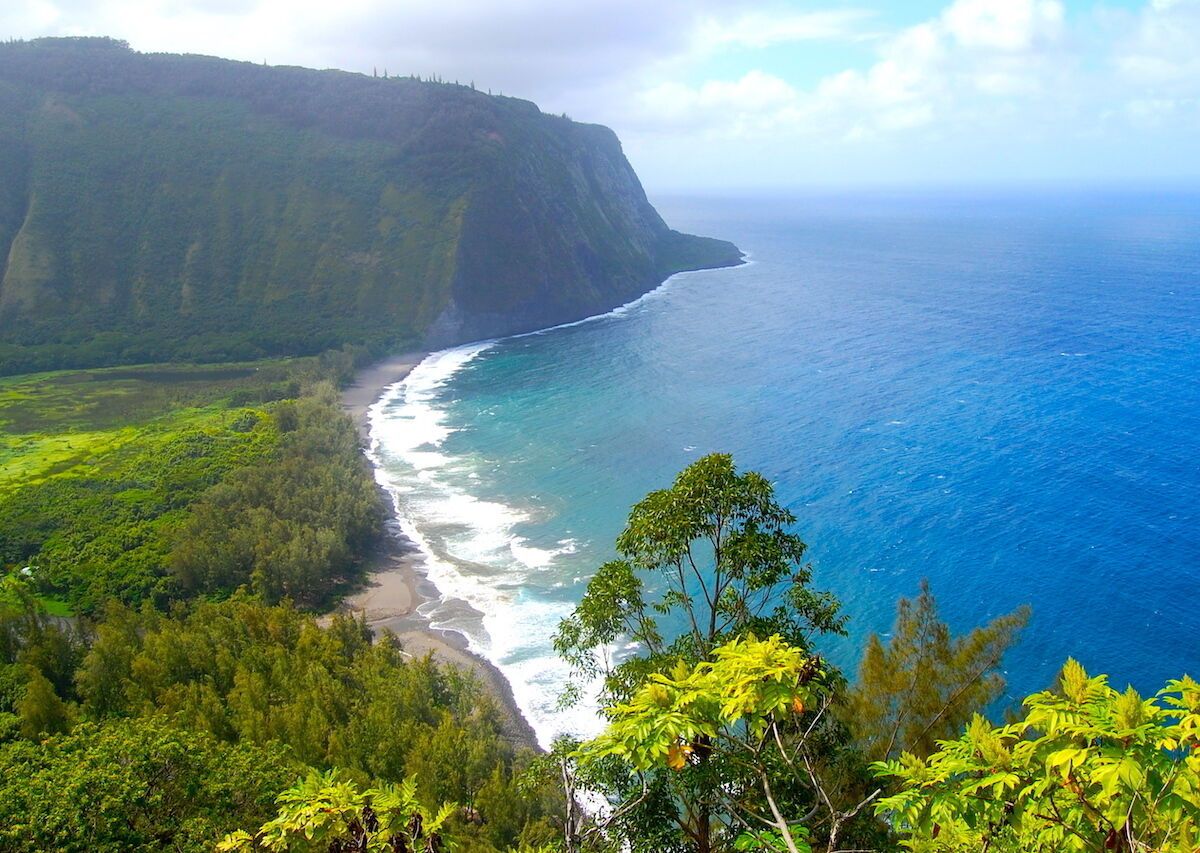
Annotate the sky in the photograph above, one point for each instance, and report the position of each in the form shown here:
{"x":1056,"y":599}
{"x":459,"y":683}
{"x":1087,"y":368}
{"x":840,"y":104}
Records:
{"x":756,"y":94}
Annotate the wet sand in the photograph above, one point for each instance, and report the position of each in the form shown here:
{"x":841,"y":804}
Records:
{"x":395,"y":584}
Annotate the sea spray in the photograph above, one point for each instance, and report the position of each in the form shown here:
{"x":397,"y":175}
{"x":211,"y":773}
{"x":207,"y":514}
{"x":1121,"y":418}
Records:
{"x":485,"y":574}
{"x":495,"y":587}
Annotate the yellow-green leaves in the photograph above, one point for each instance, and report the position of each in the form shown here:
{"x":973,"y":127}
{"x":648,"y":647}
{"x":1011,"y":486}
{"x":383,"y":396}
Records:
{"x":734,"y":718}
{"x":1074,"y":682}
{"x":326,"y":812}
{"x":1090,"y":768}
{"x":750,"y":683}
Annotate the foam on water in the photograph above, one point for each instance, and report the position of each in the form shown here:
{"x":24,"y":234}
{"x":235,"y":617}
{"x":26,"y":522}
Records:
{"x":472,"y":554}
{"x":938,"y":388}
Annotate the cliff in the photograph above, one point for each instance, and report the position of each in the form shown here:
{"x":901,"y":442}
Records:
{"x":158,"y":207}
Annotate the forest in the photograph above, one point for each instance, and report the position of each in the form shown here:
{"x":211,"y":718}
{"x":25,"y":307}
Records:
{"x":185,"y":208}
{"x":158,"y":484}
{"x":192,"y":700}
{"x":198,"y":254}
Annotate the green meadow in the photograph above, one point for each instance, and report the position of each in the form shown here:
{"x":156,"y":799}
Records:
{"x":99,"y":468}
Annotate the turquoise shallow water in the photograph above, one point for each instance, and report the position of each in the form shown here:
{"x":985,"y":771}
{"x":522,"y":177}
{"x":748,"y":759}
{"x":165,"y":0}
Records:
{"x":997,"y":392}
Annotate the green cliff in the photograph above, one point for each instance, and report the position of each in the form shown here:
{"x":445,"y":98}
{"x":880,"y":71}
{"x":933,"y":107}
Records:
{"x":157,"y":207}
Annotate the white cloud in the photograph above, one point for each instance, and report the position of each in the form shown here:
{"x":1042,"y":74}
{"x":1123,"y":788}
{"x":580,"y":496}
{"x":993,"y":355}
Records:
{"x":712,"y":77}
{"x":941,"y":70}
{"x":1162,"y":52}
{"x":1009,"y":25}
{"x":749,"y":104}
{"x":762,"y":28}
{"x":532,"y":48}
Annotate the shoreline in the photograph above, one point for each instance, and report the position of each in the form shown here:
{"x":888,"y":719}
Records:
{"x":394,"y":587}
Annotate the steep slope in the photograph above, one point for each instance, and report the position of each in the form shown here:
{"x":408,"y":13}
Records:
{"x":157,"y":207}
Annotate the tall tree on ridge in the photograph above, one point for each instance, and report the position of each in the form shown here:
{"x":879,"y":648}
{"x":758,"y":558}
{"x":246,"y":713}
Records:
{"x":926,"y":684}
{"x":714,"y":554}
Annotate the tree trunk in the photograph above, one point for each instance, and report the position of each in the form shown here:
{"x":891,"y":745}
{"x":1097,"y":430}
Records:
{"x":703,"y":831}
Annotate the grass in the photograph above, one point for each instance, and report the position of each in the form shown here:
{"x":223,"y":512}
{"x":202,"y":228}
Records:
{"x":98,"y":467}
{"x":85,"y":422}
{"x":56,"y":607}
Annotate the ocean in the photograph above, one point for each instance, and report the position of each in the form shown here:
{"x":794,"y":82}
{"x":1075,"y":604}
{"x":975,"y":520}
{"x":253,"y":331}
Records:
{"x":997,"y":391}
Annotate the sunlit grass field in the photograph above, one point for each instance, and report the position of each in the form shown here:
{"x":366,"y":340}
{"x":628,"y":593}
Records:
{"x":98,"y":466}
{"x":79,"y":423}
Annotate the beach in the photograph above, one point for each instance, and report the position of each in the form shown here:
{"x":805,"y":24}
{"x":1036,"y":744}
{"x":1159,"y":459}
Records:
{"x":395,"y":585}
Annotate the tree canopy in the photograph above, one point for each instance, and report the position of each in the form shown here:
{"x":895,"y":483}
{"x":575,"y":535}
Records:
{"x":926,"y":683}
{"x":714,"y":557}
{"x":1089,"y":768}
{"x":711,"y":560}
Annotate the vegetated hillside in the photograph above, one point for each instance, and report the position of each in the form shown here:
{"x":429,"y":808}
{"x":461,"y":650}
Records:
{"x":161,"y":483}
{"x":159,"y":207}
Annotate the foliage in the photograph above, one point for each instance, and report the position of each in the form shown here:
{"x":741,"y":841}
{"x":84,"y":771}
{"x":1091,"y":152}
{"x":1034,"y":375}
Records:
{"x":674,"y":719}
{"x":293,"y":528}
{"x":926,"y":684}
{"x":114,"y":478}
{"x":251,"y":673}
{"x":213,"y":479}
{"x":40,"y":710}
{"x":175,"y":208}
{"x":257,"y":676}
{"x":38,"y":657}
{"x":327,"y":813}
{"x":1090,"y":768}
{"x":738,"y":710}
{"x":100,"y":468}
{"x":720,"y":557}
{"x":134,"y":785}
{"x":707,"y":562}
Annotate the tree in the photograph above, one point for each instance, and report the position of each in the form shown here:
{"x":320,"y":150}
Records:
{"x":37,"y":661}
{"x":926,"y":684}
{"x":40,"y":709}
{"x":250,"y":673}
{"x":1088,"y":769}
{"x":741,"y":709}
{"x":721,"y":560}
{"x":712,"y":558}
{"x":134,"y":785}
{"x":559,"y":770}
{"x":327,"y":813}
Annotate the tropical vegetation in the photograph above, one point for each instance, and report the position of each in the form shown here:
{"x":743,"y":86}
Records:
{"x":186,"y":208}
{"x":210,"y":708}
{"x":156,"y":484}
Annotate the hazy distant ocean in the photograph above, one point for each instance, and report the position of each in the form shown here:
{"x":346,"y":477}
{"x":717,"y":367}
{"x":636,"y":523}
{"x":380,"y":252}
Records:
{"x":999,"y":392}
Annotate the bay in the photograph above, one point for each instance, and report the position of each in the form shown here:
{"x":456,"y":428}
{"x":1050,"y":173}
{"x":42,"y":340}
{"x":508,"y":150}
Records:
{"x":995,"y":391}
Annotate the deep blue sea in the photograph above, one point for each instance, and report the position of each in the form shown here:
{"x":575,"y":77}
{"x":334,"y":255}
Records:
{"x":996,"y":391}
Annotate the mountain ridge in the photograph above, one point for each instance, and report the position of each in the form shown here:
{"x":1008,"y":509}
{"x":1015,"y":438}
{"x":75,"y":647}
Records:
{"x":164,"y":207}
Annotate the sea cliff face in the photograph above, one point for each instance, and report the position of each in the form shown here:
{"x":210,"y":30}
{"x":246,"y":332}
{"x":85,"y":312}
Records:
{"x":156,"y":207}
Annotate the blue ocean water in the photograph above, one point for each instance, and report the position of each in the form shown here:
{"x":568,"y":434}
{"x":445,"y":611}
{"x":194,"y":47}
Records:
{"x":998,"y":392}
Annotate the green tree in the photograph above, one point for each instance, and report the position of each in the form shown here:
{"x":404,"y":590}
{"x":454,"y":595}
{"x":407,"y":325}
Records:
{"x":296,"y":528}
{"x":101,"y":677}
{"x":1090,"y":768}
{"x":250,"y":673}
{"x":40,"y":710}
{"x":706,"y":561}
{"x":721,"y":561}
{"x":325,"y":812}
{"x":30,"y":636}
{"x":733,"y":710}
{"x":134,"y":785}
{"x":926,"y":683}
